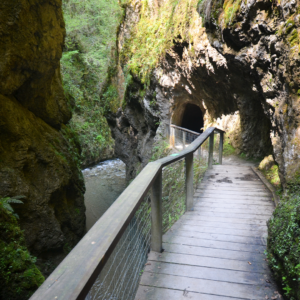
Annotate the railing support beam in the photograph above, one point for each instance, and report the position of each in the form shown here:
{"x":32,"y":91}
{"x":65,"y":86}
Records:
{"x":221,"y":147}
{"x":183,"y":140}
{"x":156,"y":213}
{"x":211,"y":151}
{"x":199,"y":152}
{"x":189,"y":171}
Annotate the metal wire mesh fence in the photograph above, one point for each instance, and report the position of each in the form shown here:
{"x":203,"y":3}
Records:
{"x":174,"y":189}
{"x":119,"y":279}
{"x":173,"y":194}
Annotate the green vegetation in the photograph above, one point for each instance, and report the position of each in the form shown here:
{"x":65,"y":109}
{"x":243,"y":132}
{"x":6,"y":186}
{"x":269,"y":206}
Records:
{"x":270,"y":170}
{"x":19,"y":276}
{"x":7,"y":201}
{"x":230,"y":7}
{"x":284,"y":244}
{"x":87,"y":65}
{"x":156,"y":32}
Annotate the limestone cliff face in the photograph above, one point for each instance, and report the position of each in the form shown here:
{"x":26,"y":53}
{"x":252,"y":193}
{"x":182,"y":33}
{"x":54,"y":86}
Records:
{"x":37,"y":150}
{"x":250,"y":65}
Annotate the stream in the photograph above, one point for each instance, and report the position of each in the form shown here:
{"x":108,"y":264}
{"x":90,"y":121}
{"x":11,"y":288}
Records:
{"x":104,"y":184}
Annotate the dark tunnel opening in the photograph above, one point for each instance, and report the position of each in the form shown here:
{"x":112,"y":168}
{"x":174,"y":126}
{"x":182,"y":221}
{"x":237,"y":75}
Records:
{"x":192,"y":118}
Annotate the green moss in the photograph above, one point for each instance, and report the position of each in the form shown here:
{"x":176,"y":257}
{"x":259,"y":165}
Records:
{"x":110,"y":99}
{"x":156,"y":32}
{"x":19,"y":276}
{"x":272,"y":176}
{"x":290,"y":24}
{"x":293,"y":38}
{"x":284,"y":244}
{"x":230,"y":7}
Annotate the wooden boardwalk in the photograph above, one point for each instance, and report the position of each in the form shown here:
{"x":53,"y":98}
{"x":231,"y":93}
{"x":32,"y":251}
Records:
{"x":216,"y":252}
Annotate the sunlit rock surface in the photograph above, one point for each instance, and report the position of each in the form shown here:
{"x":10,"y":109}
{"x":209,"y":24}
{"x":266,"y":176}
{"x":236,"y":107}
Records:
{"x":250,"y":66}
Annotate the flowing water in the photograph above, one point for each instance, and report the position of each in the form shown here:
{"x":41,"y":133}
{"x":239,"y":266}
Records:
{"x":104,"y":183}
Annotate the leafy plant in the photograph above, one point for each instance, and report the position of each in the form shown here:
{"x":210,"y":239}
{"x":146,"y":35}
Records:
{"x":284,"y":243}
{"x":7,"y":201}
{"x":18,"y":274}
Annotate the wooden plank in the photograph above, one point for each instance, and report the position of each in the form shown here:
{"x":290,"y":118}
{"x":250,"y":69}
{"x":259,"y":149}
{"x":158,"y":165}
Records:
{"x":220,"y":185}
{"x":212,"y":244}
{"x":211,"y":252}
{"x":226,"y":173}
{"x":203,"y":188}
{"x":263,"y":211}
{"x":244,"y":206}
{"x":206,"y":273}
{"x":217,"y":237}
{"x":216,"y":224}
{"x":220,"y":230}
{"x":233,"y":216}
{"x":204,"y":286}
{"x":193,"y":216}
{"x":231,"y":167}
{"x":154,"y":293}
{"x":237,"y":178}
{"x":232,"y":193}
{"x":234,"y":197}
{"x":217,"y":181}
{"x":209,"y":262}
{"x":228,"y":202}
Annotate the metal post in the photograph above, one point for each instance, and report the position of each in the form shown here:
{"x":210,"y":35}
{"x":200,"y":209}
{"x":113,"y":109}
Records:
{"x":189,"y":171}
{"x":183,"y":139}
{"x":211,"y":150}
{"x":156,"y":214}
{"x":221,"y":147}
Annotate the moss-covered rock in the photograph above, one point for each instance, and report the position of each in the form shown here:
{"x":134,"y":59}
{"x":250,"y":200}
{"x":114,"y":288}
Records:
{"x":19,"y":276}
{"x":38,"y":155}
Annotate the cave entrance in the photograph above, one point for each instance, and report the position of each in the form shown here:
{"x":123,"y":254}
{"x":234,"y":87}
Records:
{"x":192,"y":118}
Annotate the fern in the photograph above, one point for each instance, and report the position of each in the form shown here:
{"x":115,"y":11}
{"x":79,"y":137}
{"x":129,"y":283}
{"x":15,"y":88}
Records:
{"x":7,"y":201}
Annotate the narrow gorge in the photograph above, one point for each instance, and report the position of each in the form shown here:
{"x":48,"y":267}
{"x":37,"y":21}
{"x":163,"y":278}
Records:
{"x":86,"y":81}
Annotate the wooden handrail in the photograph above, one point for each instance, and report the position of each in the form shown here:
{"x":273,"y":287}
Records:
{"x":75,"y":275}
{"x":184,"y":129}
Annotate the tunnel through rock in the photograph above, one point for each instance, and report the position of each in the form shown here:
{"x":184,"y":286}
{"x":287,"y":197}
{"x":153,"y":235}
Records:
{"x":192,"y":118}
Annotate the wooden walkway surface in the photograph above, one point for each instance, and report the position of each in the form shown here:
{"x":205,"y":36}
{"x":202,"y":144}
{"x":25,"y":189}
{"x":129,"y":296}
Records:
{"x":216,"y":252}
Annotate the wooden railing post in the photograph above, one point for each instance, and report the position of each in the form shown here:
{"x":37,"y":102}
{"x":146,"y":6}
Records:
{"x":156,"y":214}
{"x":211,"y":150}
{"x":221,"y":147}
{"x":189,"y":171}
{"x":172,"y":137}
{"x":199,"y":152}
{"x":183,"y":139}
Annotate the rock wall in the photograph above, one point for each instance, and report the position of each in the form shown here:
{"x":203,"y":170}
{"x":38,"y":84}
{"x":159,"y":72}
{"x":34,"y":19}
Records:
{"x":250,"y":65}
{"x":37,"y":150}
